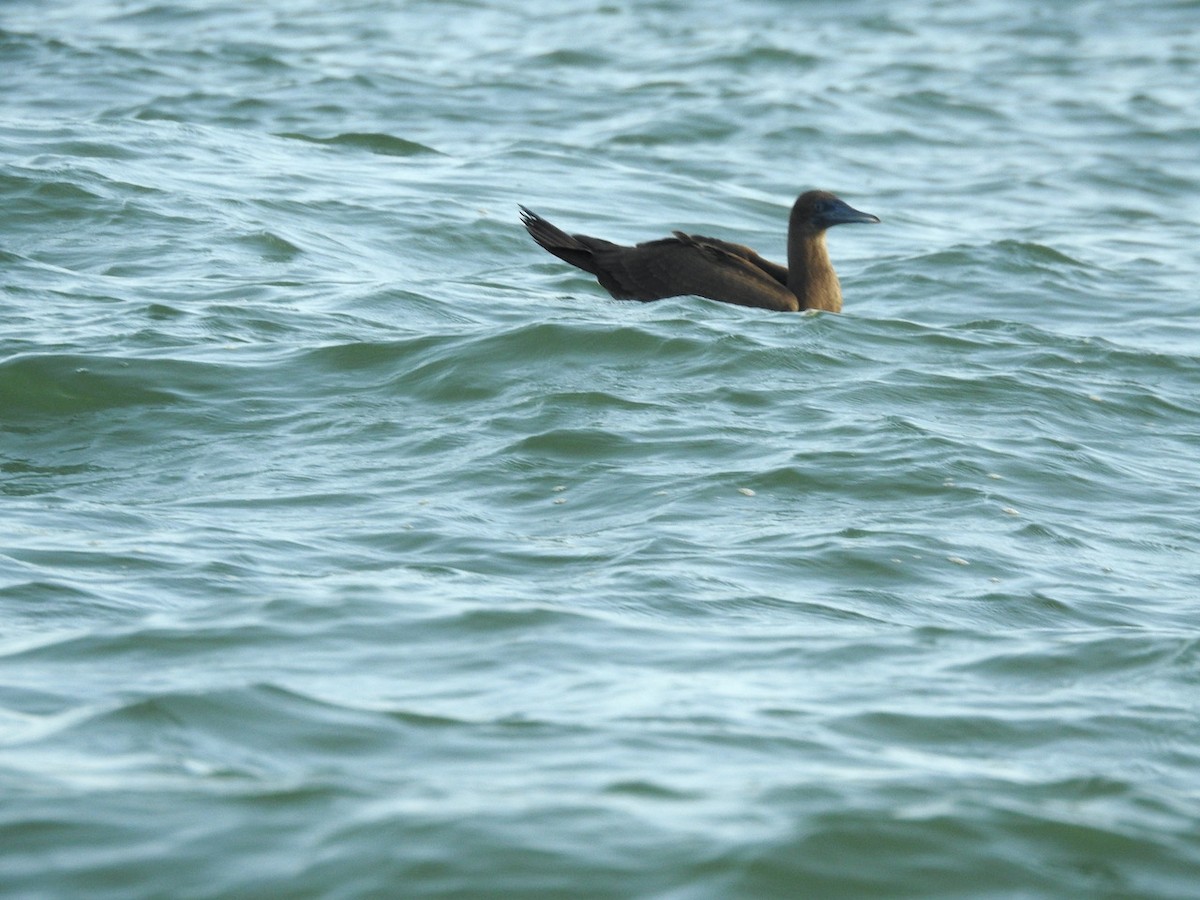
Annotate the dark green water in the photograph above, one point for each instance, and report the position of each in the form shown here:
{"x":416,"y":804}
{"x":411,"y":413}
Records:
{"x":352,"y":546}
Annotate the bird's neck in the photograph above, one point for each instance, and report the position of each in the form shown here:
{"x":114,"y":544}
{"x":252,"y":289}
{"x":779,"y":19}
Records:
{"x":810,"y":273}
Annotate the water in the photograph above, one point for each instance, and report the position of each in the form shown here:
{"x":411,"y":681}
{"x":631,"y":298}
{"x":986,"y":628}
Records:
{"x":353,"y":546}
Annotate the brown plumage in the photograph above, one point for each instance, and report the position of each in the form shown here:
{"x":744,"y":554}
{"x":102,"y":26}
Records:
{"x":712,"y":268}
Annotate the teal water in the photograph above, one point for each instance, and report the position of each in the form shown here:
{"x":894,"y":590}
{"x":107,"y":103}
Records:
{"x":355,"y":547}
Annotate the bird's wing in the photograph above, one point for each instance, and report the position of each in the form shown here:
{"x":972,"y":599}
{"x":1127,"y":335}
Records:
{"x":689,"y":264}
{"x":776,"y":271}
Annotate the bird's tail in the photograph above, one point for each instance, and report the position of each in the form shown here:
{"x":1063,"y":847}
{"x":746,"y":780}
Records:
{"x":565,"y":246}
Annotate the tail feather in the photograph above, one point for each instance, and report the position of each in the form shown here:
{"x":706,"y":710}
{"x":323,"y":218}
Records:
{"x":566,"y":247}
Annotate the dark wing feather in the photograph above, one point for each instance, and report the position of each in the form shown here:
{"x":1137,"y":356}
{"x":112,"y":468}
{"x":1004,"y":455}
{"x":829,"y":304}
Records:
{"x":776,"y":271}
{"x":686,"y":264}
{"x":670,"y":267}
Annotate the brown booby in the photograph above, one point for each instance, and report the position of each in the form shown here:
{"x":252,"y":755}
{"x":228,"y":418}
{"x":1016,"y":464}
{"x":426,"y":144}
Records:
{"x":712,"y":268}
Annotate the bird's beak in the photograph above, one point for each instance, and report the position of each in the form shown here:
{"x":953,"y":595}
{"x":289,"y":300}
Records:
{"x":845,"y":214}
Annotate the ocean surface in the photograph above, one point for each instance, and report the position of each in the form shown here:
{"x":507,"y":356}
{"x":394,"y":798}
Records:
{"x":353,"y":546}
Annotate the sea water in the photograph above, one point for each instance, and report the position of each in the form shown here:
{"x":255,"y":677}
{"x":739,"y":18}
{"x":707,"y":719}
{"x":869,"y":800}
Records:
{"x":353,"y":546}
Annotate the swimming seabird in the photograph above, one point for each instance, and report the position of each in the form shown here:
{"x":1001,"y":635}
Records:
{"x":712,"y":268}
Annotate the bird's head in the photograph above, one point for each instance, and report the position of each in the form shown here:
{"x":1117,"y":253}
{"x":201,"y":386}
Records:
{"x":818,"y":210}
